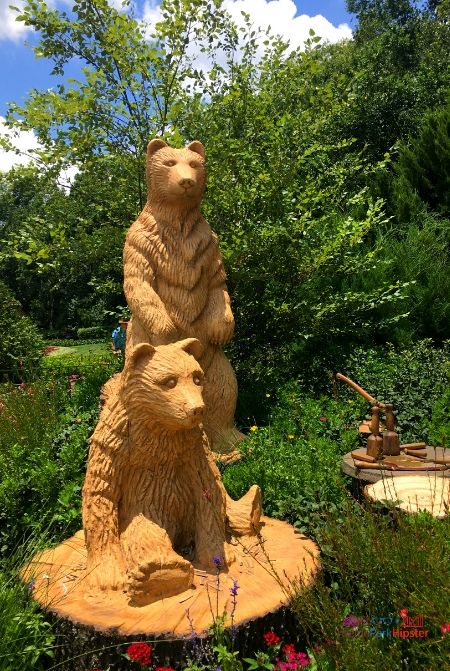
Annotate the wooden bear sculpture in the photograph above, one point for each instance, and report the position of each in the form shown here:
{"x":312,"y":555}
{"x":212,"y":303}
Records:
{"x":154,"y":506}
{"x":174,"y":280}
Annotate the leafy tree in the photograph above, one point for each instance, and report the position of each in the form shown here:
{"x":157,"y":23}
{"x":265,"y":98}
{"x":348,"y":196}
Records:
{"x":21,"y":343}
{"x":61,"y":252}
{"x":132,"y":86}
{"x":399,"y":67}
{"x":423,"y":168}
{"x":293,"y":211}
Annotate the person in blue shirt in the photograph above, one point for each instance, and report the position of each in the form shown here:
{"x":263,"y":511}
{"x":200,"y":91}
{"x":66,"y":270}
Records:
{"x":119,"y":338}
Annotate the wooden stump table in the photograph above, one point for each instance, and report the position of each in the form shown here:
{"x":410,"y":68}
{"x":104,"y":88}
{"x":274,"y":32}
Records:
{"x":267,"y":571}
{"x":413,"y":493}
{"x":437,"y":464}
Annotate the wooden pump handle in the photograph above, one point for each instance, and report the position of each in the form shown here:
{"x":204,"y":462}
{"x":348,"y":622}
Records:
{"x":360,"y":390}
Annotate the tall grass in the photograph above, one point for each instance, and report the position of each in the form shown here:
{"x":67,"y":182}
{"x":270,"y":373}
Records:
{"x":374,"y":565}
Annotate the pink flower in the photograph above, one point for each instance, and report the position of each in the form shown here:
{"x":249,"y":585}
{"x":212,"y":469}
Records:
{"x":323,"y":419}
{"x":351,"y":621}
{"x":271,"y":638}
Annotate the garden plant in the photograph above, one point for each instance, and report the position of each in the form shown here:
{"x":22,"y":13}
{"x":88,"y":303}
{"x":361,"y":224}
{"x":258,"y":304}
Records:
{"x":328,"y":186}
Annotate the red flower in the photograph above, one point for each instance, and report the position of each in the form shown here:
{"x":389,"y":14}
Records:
{"x":288,"y":649}
{"x":323,"y":419}
{"x":404,"y":613}
{"x":164,"y":668}
{"x":271,"y":638}
{"x":140,"y":653}
{"x":445,"y":628}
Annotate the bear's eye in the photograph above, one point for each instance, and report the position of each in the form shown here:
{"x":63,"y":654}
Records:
{"x":170,"y":163}
{"x":169,"y":382}
{"x":198,"y":379}
{"x":194,"y":164}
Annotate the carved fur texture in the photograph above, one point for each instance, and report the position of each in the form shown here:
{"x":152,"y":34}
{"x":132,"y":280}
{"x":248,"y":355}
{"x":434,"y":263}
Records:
{"x":154,"y":506}
{"x":174,"y":279}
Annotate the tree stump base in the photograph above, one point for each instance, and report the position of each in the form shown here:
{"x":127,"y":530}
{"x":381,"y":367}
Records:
{"x":267,"y":571}
{"x":412,"y":494}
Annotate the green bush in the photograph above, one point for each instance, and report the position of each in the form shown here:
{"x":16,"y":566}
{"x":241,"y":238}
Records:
{"x":26,"y":639}
{"x":414,"y":379}
{"x":92,"y":333}
{"x":44,"y":432}
{"x":63,"y":366}
{"x":20,"y":344}
{"x":439,"y":426}
{"x":296,"y":459}
{"x":373,"y":566}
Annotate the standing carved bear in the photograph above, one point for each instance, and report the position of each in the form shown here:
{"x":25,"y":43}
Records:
{"x":174,"y":280}
{"x":154,"y":505}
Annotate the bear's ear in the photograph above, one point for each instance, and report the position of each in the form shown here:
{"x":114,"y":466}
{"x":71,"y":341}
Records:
{"x":197,"y":147}
{"x":154,"y":145}
{"x":143,"y":351}
{"x":192,"y":346}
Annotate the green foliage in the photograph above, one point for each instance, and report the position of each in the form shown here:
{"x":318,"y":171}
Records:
{"x":399,"y":66}
{"x":69,"y":364}
{"x":44,"y":431}
{"x":439,"y":428}
{"x":26,"y":639}
{"x":61,"y":251}
{"x":422,"y":172}
{"x":373,"y":568}
{"x":21,"y":343}
{"x":414,"y":379}
{"x":91,"y":332}
{"x":296,"y":458}
{"x":416,"y":254}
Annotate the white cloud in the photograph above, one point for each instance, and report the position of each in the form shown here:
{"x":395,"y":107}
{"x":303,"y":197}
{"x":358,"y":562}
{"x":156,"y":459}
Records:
{"x":24,"y":141}
{"x":67,"y":176}
{"x":151,"y":14}
{"x":10,"y":29}
{"x":281,"y":16}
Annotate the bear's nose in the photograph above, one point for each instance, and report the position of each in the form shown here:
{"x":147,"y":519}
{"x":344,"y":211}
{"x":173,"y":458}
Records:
{"x":186,"y":182}
{"x":197,"y":411}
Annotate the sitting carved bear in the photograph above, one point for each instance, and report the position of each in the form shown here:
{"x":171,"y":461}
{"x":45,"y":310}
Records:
{"x":154,"y":506}
{"x":174,"y":280}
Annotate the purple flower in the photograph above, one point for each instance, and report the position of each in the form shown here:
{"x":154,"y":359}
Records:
{"x":217,"y":561}
{"x":31,"y":584}
{"x":234,"y":589}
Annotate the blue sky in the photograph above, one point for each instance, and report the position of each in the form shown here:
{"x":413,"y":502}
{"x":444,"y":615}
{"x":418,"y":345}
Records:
{"x":21,"y":71}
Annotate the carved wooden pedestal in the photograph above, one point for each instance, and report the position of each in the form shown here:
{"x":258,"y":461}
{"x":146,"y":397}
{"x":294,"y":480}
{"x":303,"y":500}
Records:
{"x":265,"y":571}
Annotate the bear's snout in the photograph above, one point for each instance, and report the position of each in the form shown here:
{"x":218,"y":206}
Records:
{"x":186,"y":182}
{"x":196,"y":411}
